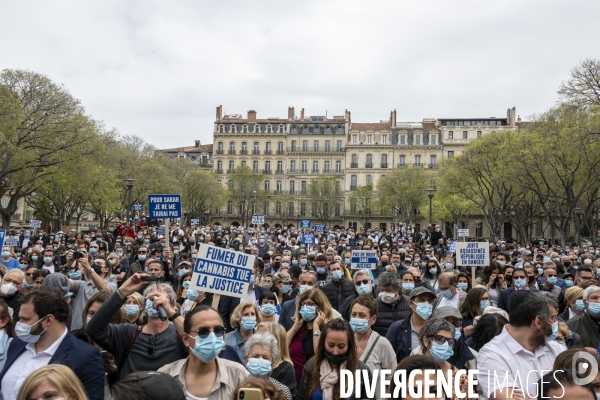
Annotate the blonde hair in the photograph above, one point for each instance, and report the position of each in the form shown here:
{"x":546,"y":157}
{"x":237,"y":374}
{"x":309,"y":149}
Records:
{"x":236,"y":317}
{"x":320,"y":300}
{"x":140,"y":300}
{"x":573,"y":293}
{"x":59,"y":376}
{"x":279,"y":332}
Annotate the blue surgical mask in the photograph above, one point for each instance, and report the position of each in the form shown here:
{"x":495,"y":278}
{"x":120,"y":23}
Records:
{"x":441,"y":352}
{"x":457,"y":334}
{"x":248,"y":323}
{"x":308,"y":313}
{"x":321,"y":270}
{"x":554,"y":333}
{"x":191,"y":294}
{"x":363,"y":289}
{"x":23,"y":332}
{"x":142,"y":257}
{"x":579,"y":305}
{"x":520,"y":282}
{"x":552,"y":280}
{"x":540,"y":271}
{"x":303,"y":288}
{"x":286,"y":288}
{"x":258,"y":367}
{"x":484,"y":304}
{"x":446,"y":293}
{"x":26,"y":235}
{"x":267,"y":309}
{"x":294,"y":262}
{"x":208,"y":349}
{"x":194,"y":255}
{"x":337,"y":275}
{"x":433,"y":271}
{"x":132,"y":309}
{"x":568,"y":284}
{"x":75,"y":275}
{"x":424,"y":310}
{"x":594,"y":308}
{"x":5,"y":254}
{"x":359,"y":325}
{"x":449,"y":265}
{"x":176,"y":252}
{"x":347,"y":261}
{"x":47,"y":260}
{"x":183,"y":271}
{"x":34,"y":258}
{"x":408,"y":287}
{"x":185,"y":284}
{"x":93,"y":250}
{"x":303,"y":261}
{"x":462,"y":286}
{"x":152,"y":312}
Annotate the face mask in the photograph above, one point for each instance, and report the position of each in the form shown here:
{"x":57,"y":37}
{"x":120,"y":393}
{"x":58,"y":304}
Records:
{"x":408,"y":287}
{"x":303,"y":288}
{"x":18,"y":254}
{"x":531,"y":278}
{"x":518,"y":259}
{"x":520,"y":282}
{"x":554,"y":333}
{"x":75,"y":275}
{"x":552,"y":280}
{"x":248,"y":323}
{"x":387,"y":297}
{"x":5,"y":254}
{"x":23,"y":332}
{"x":258,"y":367}
{"x":462,"y":286}
{"x":140,"y":237}
{"x":286,"y":288}
{"x":308,"y":313}
{"x":93,"y":250}
{"x":336,"y":359}
{"x":294,"y":262}
{"x":337,"y":275}
{"x":449,"y":266}
{"x":48,"y":260}
{"x":484,"y":304}
{"x":208,"y":348}
{"x":267,"y":309}
{"x":185,"y":284}
{"x":321,"y":270}
{"x":152,"y":312}
{"x":594,"y":308}
{"x":540,"y":271}
{"x":433,"y":271}
{"x":424,"y":310}
{"x":568,"y":284}
{"x":347,"y":260}
{"x":34,"y":258}
{"x":446,"y":293}
{"x":8,"y":289}
{"x":262,"y":241}
{"x":508,"y":278}
{"x":363,"y":289}
{"x":146,"y":241}
{"x":502,"y":263}
{"x":194,"y":255}
{"x":132,"y":309}
{"x":183,"y":271}
{"x":26,"y":235}
{"x":285,"y":265}
{"x":359,"y":325}
{"x":303,"y":261}
{"x":191,"y":294}
{"x":200,"y":239}
{"x":441,"y":352}
{"x":457,"y":334}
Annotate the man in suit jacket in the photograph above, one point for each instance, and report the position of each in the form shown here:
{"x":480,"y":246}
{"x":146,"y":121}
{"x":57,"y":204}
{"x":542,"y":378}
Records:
{"x":521,"y":275}
{"x":42,"y":339}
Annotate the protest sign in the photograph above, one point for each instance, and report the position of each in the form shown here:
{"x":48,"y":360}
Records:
{"x":305,"y":223}
{"x":258,"y":219}
{"x":472,"y":254}
{"x":363,"y":259}
{"x":164,"y":205}
{"x":320,"y":228}
{"x":309,"y":239}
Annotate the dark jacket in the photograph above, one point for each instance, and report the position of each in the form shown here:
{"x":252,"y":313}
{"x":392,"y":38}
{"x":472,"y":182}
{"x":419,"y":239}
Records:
{"x":345,"y":309}
{"x":284,"y":373}
{"x":14,"y":303}
{"x":337,"y":292}
{"x":288,"y":311}
{"x":228,"y":303}
{"x":505,"y":297}
{"x":587,"y":328}
{"x":399,"y":337}
{"x":387,"y":314}
{"x":83,"y":358}
{"x":302,"y":385}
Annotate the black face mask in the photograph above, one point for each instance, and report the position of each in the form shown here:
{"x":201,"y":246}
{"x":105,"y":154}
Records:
{"x":336,"y":359}
{"x":384,"y":264}
{"x":277,"y":264}
{"x":508,"y":278}
{"x":567,"y":264}
{"x":531,"y":278}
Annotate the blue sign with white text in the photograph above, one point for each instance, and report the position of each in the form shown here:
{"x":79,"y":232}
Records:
{"x":309,"y":239}
{"x":320,"y":228}
{"x":164,"y":205}
{"x":137,"y":207}
{"x":2,"y":236}
{"x":305,"y":223}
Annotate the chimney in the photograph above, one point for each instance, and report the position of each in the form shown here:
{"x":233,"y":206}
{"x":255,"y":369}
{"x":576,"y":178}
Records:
{"x":348,"y":116}
{"x":219,"y":112}
{"x":197,"y":143}
{"x":513,"y":114}
{"x":251,"y":116}
{"x":393,"y":119}
{"x":302,"y":115}
{"x":519,"y":119}
{"x":290,"y":113}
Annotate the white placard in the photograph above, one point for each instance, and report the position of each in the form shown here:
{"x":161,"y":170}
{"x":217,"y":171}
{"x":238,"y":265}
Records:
{"x":222,"y":271}
{"x":472,"y":254}
{"x":463,"y":233}
{"x":363,"y":259}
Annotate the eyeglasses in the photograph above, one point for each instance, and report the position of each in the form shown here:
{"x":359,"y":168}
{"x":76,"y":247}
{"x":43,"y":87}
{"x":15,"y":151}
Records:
{"x":561,"y":339}
{"x":439,"y":339}
{"x":151,"y":345}
{"x":364,"y":282}
{"x":29,"y":274}
{"x":203,"y":331}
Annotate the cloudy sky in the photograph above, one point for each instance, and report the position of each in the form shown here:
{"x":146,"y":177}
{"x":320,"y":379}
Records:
{"x":159,"y":69}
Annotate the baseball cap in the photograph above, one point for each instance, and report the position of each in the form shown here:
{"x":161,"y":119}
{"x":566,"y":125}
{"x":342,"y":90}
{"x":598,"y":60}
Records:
{"x":160,"y":386}
{"x":447,"y":311}
{"x":421,"y":290}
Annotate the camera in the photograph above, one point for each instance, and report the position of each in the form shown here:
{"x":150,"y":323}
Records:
{"x":77,"y":254}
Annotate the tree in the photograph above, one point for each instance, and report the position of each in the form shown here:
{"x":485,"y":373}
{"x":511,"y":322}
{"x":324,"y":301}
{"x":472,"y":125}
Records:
{"x":482,"y":175}
{"x":201,"y":194}
{"x":41,"y":127}
{"x":452,"y":207}
{"x":361,"y":204}
{"x":583,"y":87}
{"x":403,"y":192}
{"x":325,"y":196}
{"x":281,"y":201}
{"x":244,"y":182}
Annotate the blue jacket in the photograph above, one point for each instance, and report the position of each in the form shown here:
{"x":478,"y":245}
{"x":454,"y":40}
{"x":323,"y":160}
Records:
{"x":505,"y":297}
{"x":83,"y":358}
{"x":227,"y":304}
{"x":399,"y":335}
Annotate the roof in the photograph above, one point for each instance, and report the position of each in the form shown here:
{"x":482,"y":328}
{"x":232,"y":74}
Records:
{"x":206,"y":148}
{"x":369,"y":126}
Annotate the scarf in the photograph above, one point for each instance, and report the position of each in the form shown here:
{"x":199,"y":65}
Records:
{"x":329,"y":377}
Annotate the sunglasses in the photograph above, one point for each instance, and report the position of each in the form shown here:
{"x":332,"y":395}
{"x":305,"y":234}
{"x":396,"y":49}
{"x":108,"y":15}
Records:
{"x":439,"y":339}
{"x":203,"y":332}
{"x":364,"y":282}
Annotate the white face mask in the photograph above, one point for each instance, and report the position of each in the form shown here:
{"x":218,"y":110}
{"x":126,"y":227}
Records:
{"x":8,"y":289}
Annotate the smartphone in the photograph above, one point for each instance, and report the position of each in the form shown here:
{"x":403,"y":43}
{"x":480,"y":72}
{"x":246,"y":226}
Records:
{"x":249,"y":394}
{"x":150,"y":278}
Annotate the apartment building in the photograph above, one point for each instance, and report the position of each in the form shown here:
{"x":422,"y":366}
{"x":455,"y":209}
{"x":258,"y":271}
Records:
{"x":199,"y":154}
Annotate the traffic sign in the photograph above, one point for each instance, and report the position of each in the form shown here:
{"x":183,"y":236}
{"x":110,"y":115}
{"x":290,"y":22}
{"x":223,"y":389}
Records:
{"x":164,"y":205}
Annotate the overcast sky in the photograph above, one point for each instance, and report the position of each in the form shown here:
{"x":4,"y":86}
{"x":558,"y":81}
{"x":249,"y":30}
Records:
{"x":159,"y":69}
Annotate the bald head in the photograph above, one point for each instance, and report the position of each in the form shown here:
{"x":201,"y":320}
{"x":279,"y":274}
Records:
{"x":447,"y":278}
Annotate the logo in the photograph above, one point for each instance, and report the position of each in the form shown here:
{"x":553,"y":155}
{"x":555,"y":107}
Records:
{"x":584,"y":367}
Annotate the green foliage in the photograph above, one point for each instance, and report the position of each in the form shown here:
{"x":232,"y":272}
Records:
{"x":361,"y":203}
{"x":403,"y":192}
{"x":201,"y":194}
{"x":245,"y":192}
{"x":324,"y":194}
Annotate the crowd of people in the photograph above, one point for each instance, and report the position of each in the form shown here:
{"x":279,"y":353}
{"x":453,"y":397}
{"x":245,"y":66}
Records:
{"x":113,"y":315}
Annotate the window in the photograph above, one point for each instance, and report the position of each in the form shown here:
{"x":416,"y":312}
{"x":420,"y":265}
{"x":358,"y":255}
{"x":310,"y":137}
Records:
{"x":221,"y":129}
{"x":313,"y":208}
{"x":369,"y":163}
{"x":338,"y":210}
{"x":402,"y":161}
{"x":233,"y":129}
{"x":316,"y":129}
{"x":266,"y":208}
{"x":281,"y":129}
{"x":338,"y":145}
{"x":418,"y":160}
{"x":337,"y":187}
{"x":229,"y":207}
{"x":304,"y":166}
{"x":478,"y":133}
{"x":220,"y":166}
{"x":293,"y":166}
{"x":327,"y":129}
{"x":369,"y":179}
{"x":316,"y":145}
{"x":538,"y":229}
{"x":326,"y":167}
{"x":384,"y":160}
{"x":315,"y":168}
{"x":450,"y":135}
{"x":204,"y":159}
{"x":354,"y":159}
{"x":231,"y":165}
{"x":244,"y":163}
{"x":280,"y":147}
{"x":278,"y":208}
{"x":230,"y":185}
{"x":267,"y":185}
{"x":340,"y":129}
{"x":450,"y":154}
{"x":384,"y":139}
{"x":352,"y":206}
{"x":268,"y":147}
{"x":256,"y":147}
{"x":302,"y":209}
{"x":464,"y":134}
{"x":256,"y":128}
{"x":402,"y":139}
{"x":232,"y":147}
{"x":327,"y":145}
{"x":269,"y":129}
{"x":303,"y":187}
{"x":292,"y":187}
{"x":245,"y":129}
{"x":338,"y":167}
{"x":354,"y":139}
{"x":255,"y":165}
{"x":291,"y":208}
{"x":369,"y":139}
{"x":280,"y":167}
{"x":432,"y":139}
{"x":220,"y":147}
{"x":432,"y":161}
{"x":305,"y":145}
{"x":279,"y":186}
{"x":353,"y":182}
{"x":244,"y":147}
{"x":305,"y":129}
{"x":293,"y":145}
{"x":418,"y":139}
{"x":267,"y":165}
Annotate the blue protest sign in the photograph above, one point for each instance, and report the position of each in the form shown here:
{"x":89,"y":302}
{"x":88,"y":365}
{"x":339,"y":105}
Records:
{"x":452,"y":247}
{"x":309,"y":239}
{"x":305,"y":223}
{"x":363,"y":259}
{"x":160,"y":231}
{"x":2,"y":236}
{"x":258,"y":219}
{"x":320,"y":228}
{"x":12,"y":241}
{"x":34,"y":223}
{"x":164,"y":205}
{"x":137,"y":207}
{"x":222,"y":271}
{"x":195,"y":222}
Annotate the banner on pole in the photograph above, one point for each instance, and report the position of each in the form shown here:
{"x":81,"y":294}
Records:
{"x":363,"y":259}
{"x":164,"y":205}
{"x":472,"y":254}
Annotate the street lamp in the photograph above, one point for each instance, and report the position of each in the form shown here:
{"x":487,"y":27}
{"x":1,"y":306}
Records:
{"x":254,"y":193}
{"x":578,"y":212}
{"x":129,"y":183}
{"x":430,"y":194}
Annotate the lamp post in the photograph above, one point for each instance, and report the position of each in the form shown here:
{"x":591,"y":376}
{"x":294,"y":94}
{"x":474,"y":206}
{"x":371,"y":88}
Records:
{"x":129,"y":183}
{"x":430,"y":194}
{"x":254,"y":207}
{"x":578,"y":212}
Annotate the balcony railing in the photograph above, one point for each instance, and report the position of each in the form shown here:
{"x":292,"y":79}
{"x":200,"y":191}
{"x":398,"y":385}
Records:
{"x":280,"y":151}
{"x":369,"y":165}
{"x":315,"y":170}
{"x":268,"y":152}
{"x":352,"y":187}
{"x":292,"y":171}
{"x":383,"y":165}
{"x":243,"y":151}
{"x":418,"y":164}
{"x":402,"y":165}
{"x":266,"y":171}
{"x":230,"y":171}
{"x":326,"y":171}
{"x":220,"y":151}
{"x":304,"y":171}
{"x":279,"y":171}
{"x":219,"y":171}
{"x":231,"y":151}
{"x":432,"y":165}
{"x":313,"y":150}
{"x":354,"y":165}
{"x":338,"y":171}
{"x":255,"y":151}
